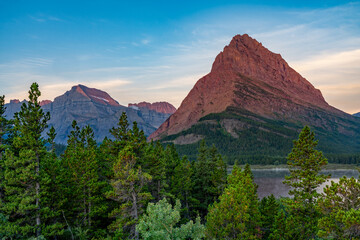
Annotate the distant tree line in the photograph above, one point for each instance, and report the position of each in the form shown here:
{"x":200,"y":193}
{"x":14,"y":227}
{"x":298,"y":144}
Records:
{"x":127,"y":188}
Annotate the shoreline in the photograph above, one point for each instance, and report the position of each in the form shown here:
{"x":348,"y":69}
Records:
{"x":331,"y":166}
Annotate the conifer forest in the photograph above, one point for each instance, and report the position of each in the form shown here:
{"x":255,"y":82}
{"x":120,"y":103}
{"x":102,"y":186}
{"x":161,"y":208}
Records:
{"x":128,"y":188}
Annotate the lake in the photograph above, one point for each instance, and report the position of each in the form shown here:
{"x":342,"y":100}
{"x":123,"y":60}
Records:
{"x":269,"y":181}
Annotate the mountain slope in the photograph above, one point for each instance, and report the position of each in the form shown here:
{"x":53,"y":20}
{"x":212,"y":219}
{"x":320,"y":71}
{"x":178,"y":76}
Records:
{"x":90,"y":106}
{"x":249,"y":82}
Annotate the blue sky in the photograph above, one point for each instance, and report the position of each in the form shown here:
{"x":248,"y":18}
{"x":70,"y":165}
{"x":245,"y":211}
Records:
{"x":157,"y":50}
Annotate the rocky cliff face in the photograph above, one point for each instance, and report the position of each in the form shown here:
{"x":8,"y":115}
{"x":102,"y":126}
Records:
{"x":248,"y":76}
{"x":156,"y":113}
{"x":162,"y":107}
{"x":13,"y":107}
{"x":44,"y":102}
{"x":90,"y":106}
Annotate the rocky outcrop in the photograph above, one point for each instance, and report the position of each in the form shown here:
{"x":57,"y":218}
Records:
{"x":162,"y":107}
{"x":44,"y":102}
{"x":156,"y":113}
{"x":248,"y":76}
{"x":14,"y":101}
{"x":95,"y":95}
{"x":13,"y":107}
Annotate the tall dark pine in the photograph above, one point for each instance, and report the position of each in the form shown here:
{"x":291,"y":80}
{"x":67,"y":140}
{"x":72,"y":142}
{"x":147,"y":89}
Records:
{"x":209,"y":178}
{"x":153,"y":163}
{"x":5,"y":140}
{"x":305,"y":164}
{"x":3,"y":124}
{"x":22,"y":167}
{"x":236,"y":215}
{"x":83,"y":189}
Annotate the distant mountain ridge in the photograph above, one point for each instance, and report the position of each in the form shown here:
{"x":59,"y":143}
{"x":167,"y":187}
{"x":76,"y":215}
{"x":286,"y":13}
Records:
{"x":252,"y":93}
{"x":163,"y":107}
{"x":90,"y":106}
{"x":357,"y":114}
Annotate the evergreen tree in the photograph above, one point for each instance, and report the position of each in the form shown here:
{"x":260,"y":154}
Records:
{"x":128,"y":189}
{"x":219,"y":171}
{"x":280,"y":229}
{"x":340,"y":204}
{"x":3,"y":132}
{"x":160,"y":223}
{"x":236,"y":215}
{"x":182,"y":185}
{"x":304,"y":163}
{"x":269,"y":209}
{"x":153,"y":163}
{"x":209,"y":178}
{"x":121,"y":135}
{"x":23,"y":169}
{"x":3,"y":126}
{"x":51,"y":190}
{"x":84,"y":186}
{"x":171,"y":162}
{"x":4,"y":144}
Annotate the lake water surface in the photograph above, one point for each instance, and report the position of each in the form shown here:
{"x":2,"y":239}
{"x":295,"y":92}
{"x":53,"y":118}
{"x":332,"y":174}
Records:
{"x":269,"y":181}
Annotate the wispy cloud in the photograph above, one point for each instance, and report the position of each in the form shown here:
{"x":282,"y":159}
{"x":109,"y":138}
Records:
{"x":109,"y":84}
{"x":339,"y":60}
{"x":141,"y":42}
{"x":181,"y":82}
{"x":337,"y":75}
{"x":145,"y":41}
{"x":35,"y":61}
{"x":41,"y":18}
{"x":27,"y":62}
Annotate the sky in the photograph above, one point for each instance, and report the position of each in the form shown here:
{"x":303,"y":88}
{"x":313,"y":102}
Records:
{"x":157,"y":50}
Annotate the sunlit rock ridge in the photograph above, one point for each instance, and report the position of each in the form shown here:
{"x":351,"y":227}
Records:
{"x":252,"y":103}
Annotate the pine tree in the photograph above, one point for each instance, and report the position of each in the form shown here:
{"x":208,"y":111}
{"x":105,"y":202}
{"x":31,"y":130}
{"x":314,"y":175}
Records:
{"x":128,"y":180}
{"x":209,"y":178}
{"x":84,"y":185}
{"x":121,"y":134}
{"x":182,"y":186}
{"x":3,"y":131}
{"x":128,"y":189}
{"x":219,"y":171}
{"x":51,"y":190}
{"x":269,"y":208}
{"x":171,"y":162}
{"x":340,"y":204}
{"x":304,"y":163}
{"x":160,"y":223}
{"x":153,"y":163}
{"x":23,"y":168}
{"x":280,"y":230}
{"x":3,"y":125}
{"x":236,"y":215}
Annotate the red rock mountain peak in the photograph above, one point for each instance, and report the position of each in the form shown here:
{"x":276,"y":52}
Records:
{"x":248,"y":76}
{"x":95,"y":95}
